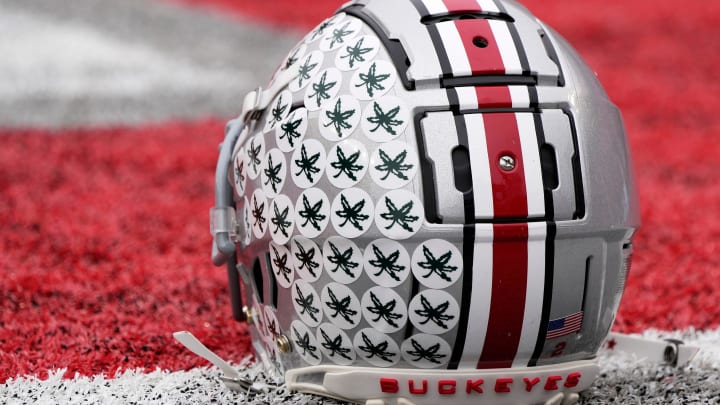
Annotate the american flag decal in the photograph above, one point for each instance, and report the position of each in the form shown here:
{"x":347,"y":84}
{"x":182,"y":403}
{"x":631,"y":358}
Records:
{"x":565,"y":326}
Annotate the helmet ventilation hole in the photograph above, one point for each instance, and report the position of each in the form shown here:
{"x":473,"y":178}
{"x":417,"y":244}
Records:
{"x":548,"y":163}
{"x":258,"y":279}
{"x":461,"y":169}
{"x":480,"y":42}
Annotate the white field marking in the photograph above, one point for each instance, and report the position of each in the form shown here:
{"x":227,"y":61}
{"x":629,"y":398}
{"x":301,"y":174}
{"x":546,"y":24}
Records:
{"x":47,"y":57}
{"x":641,"y":382}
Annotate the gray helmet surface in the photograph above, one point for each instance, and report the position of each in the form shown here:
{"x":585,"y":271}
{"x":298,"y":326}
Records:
{"x":431,"y":188}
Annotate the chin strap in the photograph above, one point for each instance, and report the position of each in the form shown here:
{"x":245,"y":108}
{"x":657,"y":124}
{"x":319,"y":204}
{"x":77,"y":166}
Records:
{"x":231,"y":377}
{"x":672,"y":352}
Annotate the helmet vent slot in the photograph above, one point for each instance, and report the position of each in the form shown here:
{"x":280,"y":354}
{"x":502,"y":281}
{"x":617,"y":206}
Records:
{"x":588,"y":265}
{"x":272,"y":280}
{"x":480,"y":42}
{"x":552,"y":54}
{"x":465,"y":15}
{"x":236,"y":299}
{"x":489,"y":80}
{"x":548,"y":161}
{"x":461,"y":169}
{"x":627,"y":251}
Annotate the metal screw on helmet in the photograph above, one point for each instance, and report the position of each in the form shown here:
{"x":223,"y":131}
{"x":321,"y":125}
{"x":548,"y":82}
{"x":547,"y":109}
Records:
{"x":507,"y":163}
{"x":283,"y":344}
{"x":248,"y":315}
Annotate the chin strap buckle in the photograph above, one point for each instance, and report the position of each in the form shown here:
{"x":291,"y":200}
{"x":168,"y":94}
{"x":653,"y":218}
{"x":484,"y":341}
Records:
{"x":671,"y":352}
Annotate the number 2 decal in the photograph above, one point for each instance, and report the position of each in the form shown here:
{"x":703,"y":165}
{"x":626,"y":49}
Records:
{"x":559,"y":349}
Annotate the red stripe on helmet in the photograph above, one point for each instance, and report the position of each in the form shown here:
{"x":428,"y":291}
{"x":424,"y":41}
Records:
{"x":507,"y":303}
{"x":482,"y":49}
{"x":510,"y":250}
{"x":509,"y":189}
{"x":493,"y":97}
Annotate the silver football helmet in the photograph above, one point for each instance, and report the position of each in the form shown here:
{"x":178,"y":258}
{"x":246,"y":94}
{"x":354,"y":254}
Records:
{"x":432,"y":200}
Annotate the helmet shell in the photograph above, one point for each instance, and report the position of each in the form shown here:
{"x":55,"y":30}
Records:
{"x":444,"y":184}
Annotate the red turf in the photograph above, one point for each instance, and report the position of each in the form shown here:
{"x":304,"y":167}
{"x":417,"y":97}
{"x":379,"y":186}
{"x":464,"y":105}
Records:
{"x":104,"y":250}
{"x":105,"y":245}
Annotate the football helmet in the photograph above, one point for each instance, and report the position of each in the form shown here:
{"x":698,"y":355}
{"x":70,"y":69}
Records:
{"x":432,"y":200}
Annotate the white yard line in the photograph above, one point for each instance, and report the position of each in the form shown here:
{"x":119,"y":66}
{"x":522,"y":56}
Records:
{"x":65,"y":59}
{"x":624,"y":379}
{"x":127,"y":62}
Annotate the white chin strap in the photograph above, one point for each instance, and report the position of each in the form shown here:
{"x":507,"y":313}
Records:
{"x":558,"y":384}
{"x":669,"y":351}
{"x":231,"y":377}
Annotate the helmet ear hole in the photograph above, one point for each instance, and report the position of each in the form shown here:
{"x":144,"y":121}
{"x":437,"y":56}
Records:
{"x":272,"y":281}
{"x":258,"y":281}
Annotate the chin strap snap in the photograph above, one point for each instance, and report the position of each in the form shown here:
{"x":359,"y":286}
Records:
{"x":672,"y":352}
